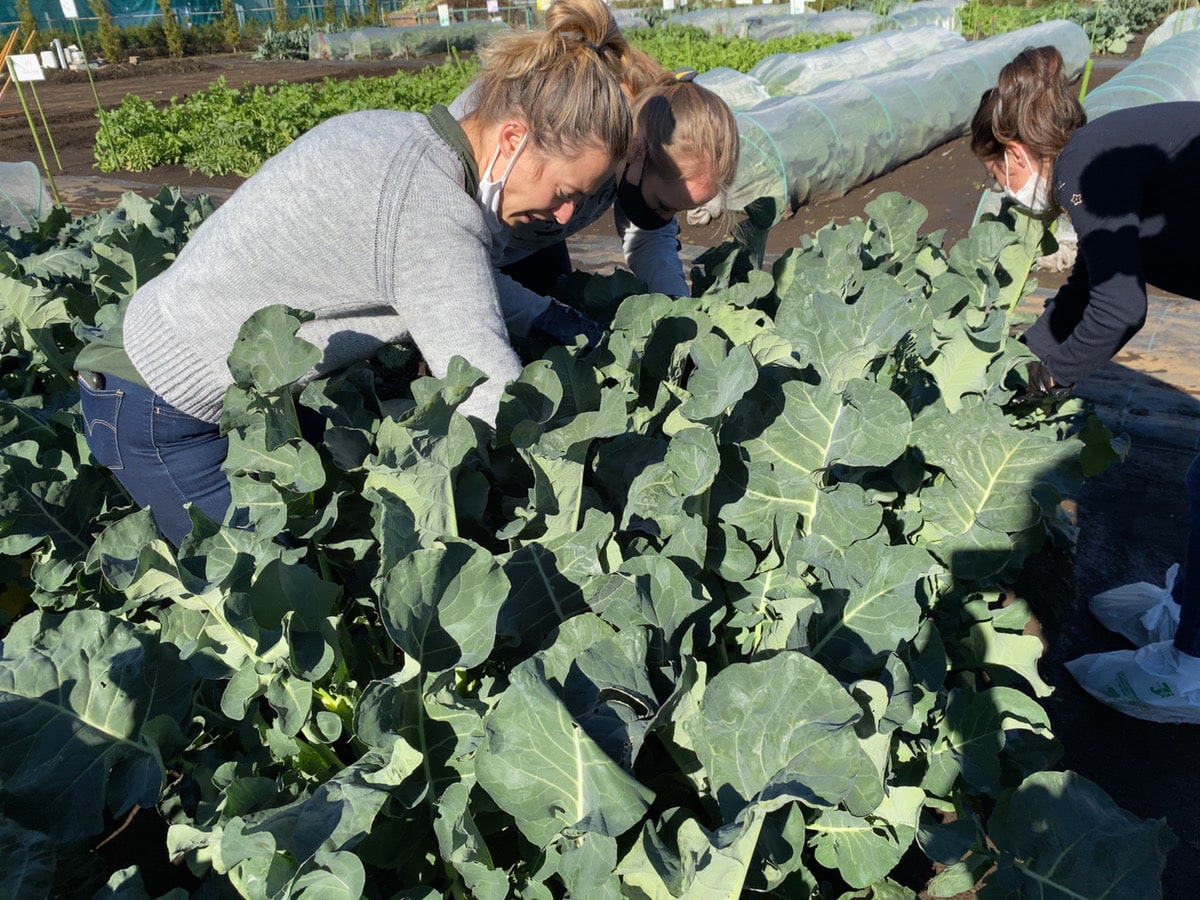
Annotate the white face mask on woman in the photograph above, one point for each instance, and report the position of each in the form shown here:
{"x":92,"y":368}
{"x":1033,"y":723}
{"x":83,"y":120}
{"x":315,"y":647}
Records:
{"x":1034,"y":194}
{"x":489,"y":191}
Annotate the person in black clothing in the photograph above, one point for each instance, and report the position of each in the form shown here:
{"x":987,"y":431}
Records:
{"x":1130,"y":184}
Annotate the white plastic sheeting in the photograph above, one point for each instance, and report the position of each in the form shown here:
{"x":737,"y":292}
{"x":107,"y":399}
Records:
{"x":798,"y":73}
{"x":401,"y":43}
{"x":1170,"y":71}
{"x":23,"y":196}
{"x":759,"y":23}
{"x":823,"y":143}
{"x":1176,"y":23}
{"x":755,"y":22}
{"x":739,"y":90}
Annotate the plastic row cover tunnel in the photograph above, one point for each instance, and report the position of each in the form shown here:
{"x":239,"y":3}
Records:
{"x":23,"y":196}
{"x":783,"y":74}
{"x":823,"y":143}
{"x":1169,"y":71}
{"x":756,"y":22}
{"x":1176,"y":23}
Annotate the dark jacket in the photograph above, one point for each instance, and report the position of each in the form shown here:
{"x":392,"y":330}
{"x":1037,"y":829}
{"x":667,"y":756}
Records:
{"x":1130,"y":183}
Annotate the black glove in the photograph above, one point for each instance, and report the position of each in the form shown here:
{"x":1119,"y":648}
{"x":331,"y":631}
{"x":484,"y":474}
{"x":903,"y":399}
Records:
{"x":563,"y":323}
{"x":1042,"y":384}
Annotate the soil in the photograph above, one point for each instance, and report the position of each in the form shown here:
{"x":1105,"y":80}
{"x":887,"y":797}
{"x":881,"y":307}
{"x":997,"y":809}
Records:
{"x":1132,"y":519}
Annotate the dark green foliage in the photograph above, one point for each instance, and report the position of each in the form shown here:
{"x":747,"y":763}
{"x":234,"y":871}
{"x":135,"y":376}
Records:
{"x":229,"y":25}
{"x":719,"y":605}
{"x":107,"y":33}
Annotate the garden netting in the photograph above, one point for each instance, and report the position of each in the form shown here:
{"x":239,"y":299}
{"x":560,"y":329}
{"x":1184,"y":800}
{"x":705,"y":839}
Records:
{"x":1169,"y":71}
{"x":401,"y":43}
{"x":761,"y":24}
{"x":738,"y":89}
{"x":1176,"y":23}
{"x":823,"y":143}
{"x":798,"y":73}
{"x":23,"y":195}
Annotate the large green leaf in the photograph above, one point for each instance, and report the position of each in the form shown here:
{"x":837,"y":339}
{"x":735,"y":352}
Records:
{"x":463,"y":846}
{"x":1059,"y":835}
{"x":874,"y":605}
{"x":33,"y":316}
{"x":80,"y":695}
{"x":790,"y":434}
{"x":865,"y":849}
{"x":840,"y":318}
{"x":417,"y":461}
{"x":708,"y":865}
{"x":976,"y":513}
{"x":440,"y":604}
{"x":778,"y":728}
{"x":30,"y":859}
{"x":540,"y":766}
{"x":550,"y":578}
{"x":46,"y":499}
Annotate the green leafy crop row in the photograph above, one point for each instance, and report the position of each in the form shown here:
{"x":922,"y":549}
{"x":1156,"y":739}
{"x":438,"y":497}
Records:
{"x":1109,"y":23}
{"x":686,"y":46}
{"x":985,"y":20}
{"x":223,"y":130}
{"x":720,"y":606}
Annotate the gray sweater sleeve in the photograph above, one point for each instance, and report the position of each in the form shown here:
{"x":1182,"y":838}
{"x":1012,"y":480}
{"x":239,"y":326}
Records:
{"x":653,"y":255}
{"x":364,"y":221}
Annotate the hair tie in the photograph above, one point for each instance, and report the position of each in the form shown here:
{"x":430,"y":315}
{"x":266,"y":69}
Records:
{"x":685,"y":74}
{"x":592,"y":47}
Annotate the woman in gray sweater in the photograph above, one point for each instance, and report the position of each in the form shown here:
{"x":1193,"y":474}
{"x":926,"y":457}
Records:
{"x":378,"y":223}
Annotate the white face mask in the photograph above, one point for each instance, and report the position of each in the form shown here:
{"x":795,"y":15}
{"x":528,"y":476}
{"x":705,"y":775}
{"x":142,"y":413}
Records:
{"x":489,"y":191}
{"x":1034,"y":194}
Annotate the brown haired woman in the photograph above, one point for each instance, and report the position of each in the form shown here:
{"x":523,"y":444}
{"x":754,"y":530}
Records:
{"x":377,"y":223}
{"x":1130,"y":184}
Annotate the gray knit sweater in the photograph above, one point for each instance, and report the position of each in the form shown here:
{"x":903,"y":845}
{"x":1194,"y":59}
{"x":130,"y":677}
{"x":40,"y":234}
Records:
{"x":364,"y":221}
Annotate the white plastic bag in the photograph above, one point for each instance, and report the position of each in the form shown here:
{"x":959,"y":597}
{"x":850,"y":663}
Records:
{"x":1156,"y":682}
{"x":1144,"y":613}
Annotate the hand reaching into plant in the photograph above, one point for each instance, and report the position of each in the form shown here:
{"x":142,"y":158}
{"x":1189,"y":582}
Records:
{"x":563,"y":323}
{"x":1042,"y":384}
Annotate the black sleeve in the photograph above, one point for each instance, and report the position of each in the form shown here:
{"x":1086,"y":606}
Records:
{"x":1103,"y":304}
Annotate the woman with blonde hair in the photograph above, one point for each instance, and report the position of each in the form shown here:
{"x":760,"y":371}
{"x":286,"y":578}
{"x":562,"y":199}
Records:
{"x":379,"y":224}
{"x":684,"y":153}
{"x":1130,"y":184}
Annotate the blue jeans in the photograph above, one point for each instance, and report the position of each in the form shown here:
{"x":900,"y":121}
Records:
{"x":163,"y":457}
{"x":1187,"y":585}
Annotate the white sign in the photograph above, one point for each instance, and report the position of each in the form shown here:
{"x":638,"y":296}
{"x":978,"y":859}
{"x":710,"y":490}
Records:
{"x":68,"y":8}
{"x":668,"y":4}
{"x":799,"y":7}
{"x":744,"y":2}
{"x":493,"y":6}
{"x":26,"y":67}
{"x":444,"y":14}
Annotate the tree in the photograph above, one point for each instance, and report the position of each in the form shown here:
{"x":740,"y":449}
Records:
{"x":231,"y":26}
{"x":171,"y":30}
{"x":281,"y":15}
{"x":27,"y":20}
{"x":109,"y":35}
